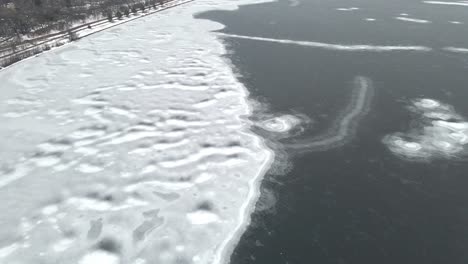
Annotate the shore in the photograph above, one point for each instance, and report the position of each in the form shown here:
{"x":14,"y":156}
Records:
{"x":38,"y":45}
{"x":132,"y":146}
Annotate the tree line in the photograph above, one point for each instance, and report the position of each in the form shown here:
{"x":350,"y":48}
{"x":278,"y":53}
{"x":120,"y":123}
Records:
{"x":19,"y":18}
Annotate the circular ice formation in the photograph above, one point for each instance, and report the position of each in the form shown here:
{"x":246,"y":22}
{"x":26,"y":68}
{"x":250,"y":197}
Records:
{"x":403,"y":147}
{"x":280,"y":124}
{"x":412,"y":146}
{"x":427,"y":103}
{"x":436,"y":136}
{"x":445,"y":146}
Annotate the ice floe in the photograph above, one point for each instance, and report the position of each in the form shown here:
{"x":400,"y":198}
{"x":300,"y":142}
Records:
{"x":438,"y":133}
{"x":348,"y":8}
{"x":458,"y":3}
{"x":330,"y":46}
{"x":414,"y":20}
{"x":280,"y":124}
{"x":456,"y":49}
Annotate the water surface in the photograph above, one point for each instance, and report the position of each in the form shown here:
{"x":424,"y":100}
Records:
{"x":355,"y":202}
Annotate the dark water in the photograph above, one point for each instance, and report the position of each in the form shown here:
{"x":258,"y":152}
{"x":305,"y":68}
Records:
{"x":357,"y":203}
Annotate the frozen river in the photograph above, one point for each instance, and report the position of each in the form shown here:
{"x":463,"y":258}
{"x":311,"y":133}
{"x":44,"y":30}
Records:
{"x":302,"y":131}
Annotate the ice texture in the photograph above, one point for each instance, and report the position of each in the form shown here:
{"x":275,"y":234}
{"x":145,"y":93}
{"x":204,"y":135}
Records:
{"x":438,"y":133}
{"x":345,"y":125}
{"x":333,"y":46}
{"x":457,"y":3}
{"x":129,"y":146}
{"x":414,"y":20}
{"x":280,"y":124}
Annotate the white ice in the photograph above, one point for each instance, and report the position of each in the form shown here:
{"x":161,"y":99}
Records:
{"x":347,"y":8}
{"x":459,"y":3}
{"x":280,"y":124}
{"x":330,"y":46}
{"x":439,"y":133}
{"x":414,"y":20}
{"x":130,"y":146}
{"x":456,"y":49}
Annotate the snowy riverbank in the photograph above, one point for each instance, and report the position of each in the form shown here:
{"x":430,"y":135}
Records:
{"x":130,"y":146}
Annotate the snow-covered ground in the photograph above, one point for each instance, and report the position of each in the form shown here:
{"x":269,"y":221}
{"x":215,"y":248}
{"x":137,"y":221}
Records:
{"x":129,"y":146}
{"x":57,"y":38}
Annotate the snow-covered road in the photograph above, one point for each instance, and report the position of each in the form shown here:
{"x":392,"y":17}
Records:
{"x":130,"y":146}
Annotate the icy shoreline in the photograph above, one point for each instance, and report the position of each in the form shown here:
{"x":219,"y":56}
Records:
{"x":130,"y":146}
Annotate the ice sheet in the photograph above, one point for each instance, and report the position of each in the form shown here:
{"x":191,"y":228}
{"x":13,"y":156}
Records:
{"x":129,"y":146}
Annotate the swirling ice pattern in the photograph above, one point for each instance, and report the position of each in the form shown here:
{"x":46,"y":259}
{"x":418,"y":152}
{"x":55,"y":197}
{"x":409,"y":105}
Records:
{"x":439,"y":133}
{"x":345,"y":126}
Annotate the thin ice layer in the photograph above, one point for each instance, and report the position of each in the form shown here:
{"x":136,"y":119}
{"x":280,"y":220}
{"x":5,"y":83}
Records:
{"x":130,"y":146}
